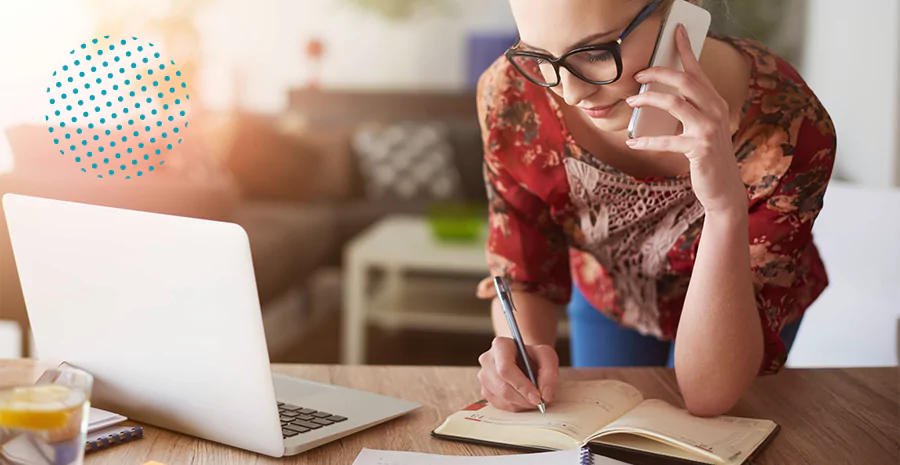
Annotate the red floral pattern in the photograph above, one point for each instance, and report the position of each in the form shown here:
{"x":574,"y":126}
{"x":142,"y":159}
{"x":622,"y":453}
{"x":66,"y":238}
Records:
{"x":785,"y":148}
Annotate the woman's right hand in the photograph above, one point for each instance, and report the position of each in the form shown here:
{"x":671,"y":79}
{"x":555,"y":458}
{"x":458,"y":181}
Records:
{"x":505,"y":386}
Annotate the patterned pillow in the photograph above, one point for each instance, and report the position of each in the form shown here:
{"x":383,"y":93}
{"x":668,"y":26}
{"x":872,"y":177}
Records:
{"x":407,"y":160}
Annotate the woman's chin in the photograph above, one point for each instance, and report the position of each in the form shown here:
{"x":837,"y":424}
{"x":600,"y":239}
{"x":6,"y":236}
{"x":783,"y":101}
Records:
{"x":614,"y":123}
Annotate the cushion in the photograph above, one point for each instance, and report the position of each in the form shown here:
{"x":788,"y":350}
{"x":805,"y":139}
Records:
{"x":407,"y":160}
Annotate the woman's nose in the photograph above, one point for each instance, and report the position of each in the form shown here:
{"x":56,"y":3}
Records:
{"x":574,"y":90}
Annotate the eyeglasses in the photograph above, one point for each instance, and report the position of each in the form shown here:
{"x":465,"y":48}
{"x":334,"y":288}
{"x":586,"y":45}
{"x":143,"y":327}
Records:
{"x":596,"y":64}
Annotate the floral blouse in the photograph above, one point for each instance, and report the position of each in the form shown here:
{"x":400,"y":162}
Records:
{"x":559,"y":214}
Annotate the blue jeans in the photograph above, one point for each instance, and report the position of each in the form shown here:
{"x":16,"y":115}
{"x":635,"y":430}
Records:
{"x":597,"y":341}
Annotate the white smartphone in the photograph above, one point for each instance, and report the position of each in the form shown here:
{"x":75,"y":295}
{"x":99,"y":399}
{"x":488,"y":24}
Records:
{"x":652,"y":121}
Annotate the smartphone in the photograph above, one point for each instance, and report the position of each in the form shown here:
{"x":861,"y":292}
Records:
{"x":652,"y":121}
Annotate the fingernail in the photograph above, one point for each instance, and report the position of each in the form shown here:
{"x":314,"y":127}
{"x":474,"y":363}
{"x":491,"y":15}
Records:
{"x":639,"y":76}
{"x":631,"y":99}
{"x":534,"y":398}
{"x":630,"y":142}
{"x":682,"y":30}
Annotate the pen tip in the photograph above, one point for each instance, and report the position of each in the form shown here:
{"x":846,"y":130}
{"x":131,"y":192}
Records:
{"x":542,"y":408}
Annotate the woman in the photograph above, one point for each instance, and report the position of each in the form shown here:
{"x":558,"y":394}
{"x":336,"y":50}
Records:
{"x":706,"y":233}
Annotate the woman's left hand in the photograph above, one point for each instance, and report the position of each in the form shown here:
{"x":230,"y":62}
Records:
{"x":706,"y":139}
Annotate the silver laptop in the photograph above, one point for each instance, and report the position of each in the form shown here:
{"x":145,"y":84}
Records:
{"x":164,"y":311}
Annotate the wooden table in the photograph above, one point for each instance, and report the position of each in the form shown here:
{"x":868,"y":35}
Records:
{"x":830,"y":417}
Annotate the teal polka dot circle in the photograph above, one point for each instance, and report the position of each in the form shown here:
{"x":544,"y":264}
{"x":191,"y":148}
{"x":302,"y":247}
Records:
{"x":107,"y":126}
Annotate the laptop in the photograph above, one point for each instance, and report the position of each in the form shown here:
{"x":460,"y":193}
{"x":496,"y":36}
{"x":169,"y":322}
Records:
{"x":164,"y":312}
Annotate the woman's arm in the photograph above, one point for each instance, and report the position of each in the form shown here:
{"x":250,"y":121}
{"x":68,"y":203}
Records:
{"x":719,"y":347}
{"x":719,"y":342}
{"x":536,"y":316}
{"x":525,"y":245}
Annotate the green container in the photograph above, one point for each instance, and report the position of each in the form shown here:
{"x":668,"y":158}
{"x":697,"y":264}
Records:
{"x":458,"y":222}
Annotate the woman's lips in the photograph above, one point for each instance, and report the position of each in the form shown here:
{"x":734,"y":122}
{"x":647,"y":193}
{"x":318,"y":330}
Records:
{"x":599,"y":112}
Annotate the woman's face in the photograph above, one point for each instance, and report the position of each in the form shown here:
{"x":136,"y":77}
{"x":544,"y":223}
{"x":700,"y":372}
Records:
{"x":557,"y":26}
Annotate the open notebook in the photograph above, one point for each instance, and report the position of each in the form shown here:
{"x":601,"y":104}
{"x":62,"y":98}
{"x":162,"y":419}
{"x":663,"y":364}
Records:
{"x":612,"y":415}
{"x":569,"y":457}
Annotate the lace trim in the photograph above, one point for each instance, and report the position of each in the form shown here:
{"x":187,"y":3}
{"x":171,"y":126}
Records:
{"x":629,"y":227}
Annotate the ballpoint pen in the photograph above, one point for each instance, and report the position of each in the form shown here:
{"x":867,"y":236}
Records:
{"x":505,"y":296}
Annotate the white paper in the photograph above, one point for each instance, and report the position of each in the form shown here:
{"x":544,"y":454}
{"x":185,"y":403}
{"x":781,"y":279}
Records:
{"x":566,"y":457}
{"x":99,"y":419}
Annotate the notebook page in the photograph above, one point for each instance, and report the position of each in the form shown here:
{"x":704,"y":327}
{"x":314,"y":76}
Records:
{"x":727,"y":439}
{"x":579,"y":409}
{"x":566,"y":457}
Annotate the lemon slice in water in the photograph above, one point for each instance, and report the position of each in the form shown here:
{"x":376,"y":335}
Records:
{"x":41,"y":407}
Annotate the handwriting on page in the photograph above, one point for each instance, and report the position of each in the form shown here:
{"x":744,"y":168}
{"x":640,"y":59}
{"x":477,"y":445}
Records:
{"x":605,"y":391}
{"x":746,"y":422}
{"x":560,"y":419}
{"x":578,"y":410}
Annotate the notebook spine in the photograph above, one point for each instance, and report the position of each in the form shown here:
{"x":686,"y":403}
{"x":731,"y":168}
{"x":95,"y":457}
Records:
{"x":587,"y":457}
{"x":113,"y":439}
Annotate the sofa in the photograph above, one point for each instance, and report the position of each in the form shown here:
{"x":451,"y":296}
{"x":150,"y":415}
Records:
{"x":304,"y":156}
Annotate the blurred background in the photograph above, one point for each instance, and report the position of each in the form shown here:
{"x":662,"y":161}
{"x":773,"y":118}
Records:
{"x":342,"y":135}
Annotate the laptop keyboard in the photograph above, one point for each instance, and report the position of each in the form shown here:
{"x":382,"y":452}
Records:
{"x":298,"y":420}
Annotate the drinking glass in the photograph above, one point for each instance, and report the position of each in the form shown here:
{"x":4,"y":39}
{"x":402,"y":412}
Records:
{"x":46,"y":423}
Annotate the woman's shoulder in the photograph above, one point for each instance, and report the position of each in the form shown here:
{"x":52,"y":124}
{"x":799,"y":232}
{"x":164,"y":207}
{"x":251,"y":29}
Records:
{"x":776,"y":86}
{"x":506,"y":99}
{"x":786,"y":129}
{"x":521,"y":130}
{"x":499,"y":81}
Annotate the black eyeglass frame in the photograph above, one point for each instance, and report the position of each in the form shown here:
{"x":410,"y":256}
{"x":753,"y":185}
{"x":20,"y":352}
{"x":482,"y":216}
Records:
{"x":613,"y":47}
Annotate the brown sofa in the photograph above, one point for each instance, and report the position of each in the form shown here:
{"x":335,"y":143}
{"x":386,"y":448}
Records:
{"x":303,"y":158}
